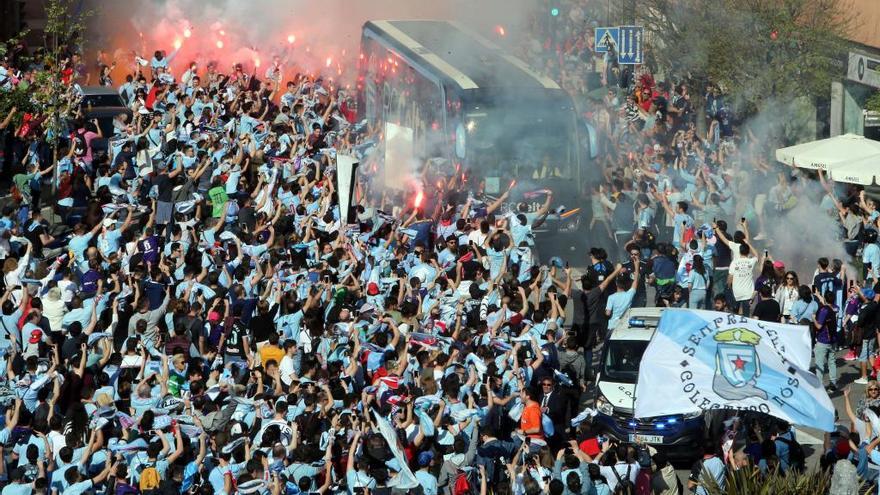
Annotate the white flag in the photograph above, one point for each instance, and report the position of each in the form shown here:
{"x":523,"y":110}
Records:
{"x":405,"y":479}
{"x":703,"y":360}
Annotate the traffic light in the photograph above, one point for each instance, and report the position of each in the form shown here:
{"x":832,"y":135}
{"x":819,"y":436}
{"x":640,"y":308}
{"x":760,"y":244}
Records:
{"x":554,"y":11}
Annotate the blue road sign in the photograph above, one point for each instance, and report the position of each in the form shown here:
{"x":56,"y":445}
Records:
{"x":605,"y":39}
{"x":631,"y":46}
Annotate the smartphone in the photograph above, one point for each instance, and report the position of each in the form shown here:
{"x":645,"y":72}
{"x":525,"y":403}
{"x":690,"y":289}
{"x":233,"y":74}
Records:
{"x":742,"y":219}
{"x":766,"y":253}
{"x":851,"y":282}
{"x":814,"y":288}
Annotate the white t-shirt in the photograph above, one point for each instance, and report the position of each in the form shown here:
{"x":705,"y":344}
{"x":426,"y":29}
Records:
{"x":742,"y":269}
{"x":285,"y":368}
{"x":477,"y":237}
{"x":132,"y":361}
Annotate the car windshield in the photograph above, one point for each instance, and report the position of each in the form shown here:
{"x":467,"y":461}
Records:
{"x":622,"y":360}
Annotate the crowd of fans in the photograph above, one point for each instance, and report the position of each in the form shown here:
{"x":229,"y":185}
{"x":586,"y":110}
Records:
{"x":195,"y":314}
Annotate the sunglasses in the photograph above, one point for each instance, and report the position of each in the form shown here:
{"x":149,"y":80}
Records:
{"x":873,"y":389}
{"x":546,"y":384}
{"x":789,"y":278}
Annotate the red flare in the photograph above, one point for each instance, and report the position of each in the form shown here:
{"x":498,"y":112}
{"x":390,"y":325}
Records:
{"x":419,"y":197}
{"x":512,"y":184}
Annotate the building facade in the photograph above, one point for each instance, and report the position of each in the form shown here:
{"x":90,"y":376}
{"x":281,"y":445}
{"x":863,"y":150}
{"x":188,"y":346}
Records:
{"x":862,"y":75}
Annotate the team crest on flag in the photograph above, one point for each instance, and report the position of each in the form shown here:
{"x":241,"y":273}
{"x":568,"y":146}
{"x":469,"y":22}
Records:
{"x":700,"y":361}
{"x":737,"y":365}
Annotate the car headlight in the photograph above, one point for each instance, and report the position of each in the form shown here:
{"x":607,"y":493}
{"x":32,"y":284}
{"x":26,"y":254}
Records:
{"x":604,"y":406}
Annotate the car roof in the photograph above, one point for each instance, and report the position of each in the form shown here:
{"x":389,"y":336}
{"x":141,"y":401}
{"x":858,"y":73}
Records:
{"x":98,"y":90}
{"x":107,"y":111}
{"x":623,"y":330}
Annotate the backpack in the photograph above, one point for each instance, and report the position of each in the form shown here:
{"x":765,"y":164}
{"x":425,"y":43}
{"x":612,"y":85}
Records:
{"x":462,"y":485}
{"x":177,"y":345}
{"x":796,"y":457}
{"x":831,"y":323}
{"x":149,"y":479}
{"x":624,"y":486}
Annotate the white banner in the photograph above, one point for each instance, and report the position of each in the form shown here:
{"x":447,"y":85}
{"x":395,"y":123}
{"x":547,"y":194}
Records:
{"x":703,"y":360}
{"x":405,"y":479}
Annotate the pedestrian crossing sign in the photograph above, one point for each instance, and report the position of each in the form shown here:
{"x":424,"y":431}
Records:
{"x":606,"y":39}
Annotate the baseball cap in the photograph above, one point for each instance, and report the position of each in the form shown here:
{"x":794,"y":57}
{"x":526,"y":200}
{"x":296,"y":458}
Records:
{"x":108,"y":222}
{"x":516,"y":319}
{"x":779,"y":264}
{"x":36,"y":336}
{"x":425,"y":458}
{"x":366,"y":308}
{"x":213,"y":316}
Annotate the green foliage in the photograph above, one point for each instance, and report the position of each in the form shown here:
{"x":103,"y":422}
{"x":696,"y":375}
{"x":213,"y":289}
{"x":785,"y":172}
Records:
{"x":873,"y":102}
{"x":65,"y":26}
{"x":755,"y":50}
{"x":750,"y":481}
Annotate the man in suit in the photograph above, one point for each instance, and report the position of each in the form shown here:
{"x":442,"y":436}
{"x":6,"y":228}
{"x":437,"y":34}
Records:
{"x":553,"y":404}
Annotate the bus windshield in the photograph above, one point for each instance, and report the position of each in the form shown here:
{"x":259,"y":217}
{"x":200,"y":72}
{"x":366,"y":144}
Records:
{"x":521,"y":141}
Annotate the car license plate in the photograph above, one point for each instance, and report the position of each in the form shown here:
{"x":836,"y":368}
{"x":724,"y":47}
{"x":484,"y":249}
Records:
{"x":652,"y":439}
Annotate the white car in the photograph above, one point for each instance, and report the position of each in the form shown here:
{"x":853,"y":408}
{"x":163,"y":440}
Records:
{"x":680,"y":436}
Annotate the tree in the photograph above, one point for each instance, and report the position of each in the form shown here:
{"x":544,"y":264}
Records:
{"x":46,"y":94}
{"x":755,"y":50}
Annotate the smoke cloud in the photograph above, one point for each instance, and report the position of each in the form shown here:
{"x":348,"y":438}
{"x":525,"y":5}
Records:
{"x":311,"y":36}
{"x":807,"y":231}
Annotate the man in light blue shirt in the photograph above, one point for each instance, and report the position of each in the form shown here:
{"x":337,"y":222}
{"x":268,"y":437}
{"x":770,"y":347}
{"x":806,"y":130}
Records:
{"x":79,"y":243}
{"x":619,"y":302}
{"x":680,"y":219}
{"x":427,"y":481}
{"x":108,"y":239}
{"x":78,"y":485}
{"x":709,"y":466}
